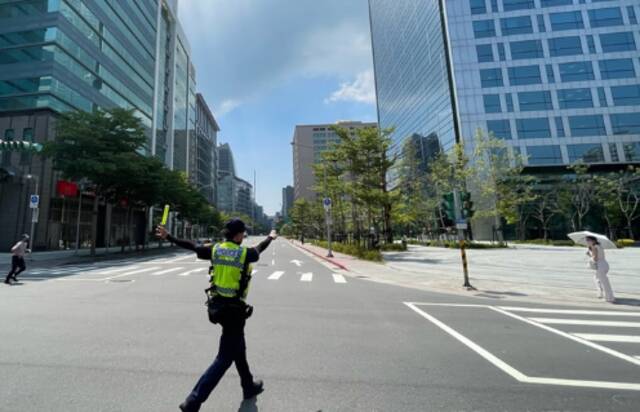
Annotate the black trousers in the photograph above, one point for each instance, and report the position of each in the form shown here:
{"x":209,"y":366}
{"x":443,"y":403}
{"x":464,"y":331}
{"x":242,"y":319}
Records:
{"x":17,"y":266}
{"x":232,"y":349}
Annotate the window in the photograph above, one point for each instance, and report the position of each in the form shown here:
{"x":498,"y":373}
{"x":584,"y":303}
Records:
{"x":516,"y":25}
{"x":533,"y":128}
{"x":592,"y":125}
{"x":491,"y":77}
{"x":541,"y":26}
{"x":9,"y":134}
{"x":614,"y":42}
{"x":517,"y":4}
{"x":575,"y":98}
{"x":588,"y":153}
{"x":528,"y":49}
{"x":485,"y":53}
{"x":625,"y":123}
{"x":524,"y":75}
{"x":591,"y":44}
{"x":494,"y":6}
{"x":559,"y":126}
{"x":501,"y":52}
{"x":632,"y":15}
{"x":483,"y":28}
{"x":544,"y":155}
{"x":626,"y":95}
{"x":535,"y":101}
{"x":492,"y":103}
{"x":605,"y":17}
{"x":613,"y":151}
{"x":478,"y":6}
{"x":553,"y":3}
{"x":631,"y":151}
{"x":509,"y":98}
{"x":565,"y":46}
{"x":616,"y":69}
{"x":566,"y":21}
{"x":27,"y":134}
{"x":501,"y":129}
{"x":551,"y":77}
{"x":602,"y":97}
{"x":571,"y":72}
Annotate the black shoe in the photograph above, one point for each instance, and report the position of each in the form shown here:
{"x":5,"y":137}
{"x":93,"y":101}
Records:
{"x":189,"y":406}
{"x":256,"y":389}
{"x":7,"y":281}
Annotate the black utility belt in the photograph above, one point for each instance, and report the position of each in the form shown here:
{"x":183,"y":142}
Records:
{"x":221,"y":309}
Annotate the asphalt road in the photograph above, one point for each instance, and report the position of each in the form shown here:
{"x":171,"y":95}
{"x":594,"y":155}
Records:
{"x":133,"y":336}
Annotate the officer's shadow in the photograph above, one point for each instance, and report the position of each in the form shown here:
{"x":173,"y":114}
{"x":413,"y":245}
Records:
{"x":249,"y":405}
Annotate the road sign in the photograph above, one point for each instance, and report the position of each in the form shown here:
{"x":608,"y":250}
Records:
{"x":34,"y":215}
{"x":34,"y":201}
{"x":326,"y":202}
{"x":462,"y":224}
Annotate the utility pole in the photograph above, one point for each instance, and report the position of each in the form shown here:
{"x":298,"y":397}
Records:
{"x":461,"y":225}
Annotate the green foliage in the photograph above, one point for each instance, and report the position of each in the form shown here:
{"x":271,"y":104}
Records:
{"x":454,"y":244}
{"x":351,"y":249}
{"x":394,"y":247}
{"x":547,"y":242}
{"x":622,"y":243}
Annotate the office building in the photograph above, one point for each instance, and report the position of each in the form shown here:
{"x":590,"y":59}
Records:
{"x":205,"y":174}
{"x":287,"y":200}
{"x":64,"y":55}
{"x":309,"y":141}
{"x":557,"y":79}
{"x":235,"y":195}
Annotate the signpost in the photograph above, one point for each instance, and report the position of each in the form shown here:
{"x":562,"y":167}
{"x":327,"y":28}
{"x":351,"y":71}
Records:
{"x":461,"y":225}
{"x":326,"y":202}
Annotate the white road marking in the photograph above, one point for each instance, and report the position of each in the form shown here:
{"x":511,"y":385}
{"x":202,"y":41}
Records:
{"x":162,"y":272}
{"x":598,"y":337}
{"x":306,"y":277}
{"x":508,"y":369}
{"x":275,"y":275}
{"x":133,"y":272}
{"x":254,"y":271}
{"x":296,"y":262}
{"x":189,"y":272}
{"x":557,"y":321}
{"x":339,"y":278}
{"x":189,"y":256}
{"x":571,"y":312}
{"x":115,"y":270}
{"x":273,"y":262}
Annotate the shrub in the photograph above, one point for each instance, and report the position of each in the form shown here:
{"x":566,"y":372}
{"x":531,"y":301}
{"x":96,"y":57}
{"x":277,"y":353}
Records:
{"x":547,"y":242}
{"x":622,"y":243}
{"x":395,"y":247}
{"x":353,"y":250}
{"x":454,"y":244}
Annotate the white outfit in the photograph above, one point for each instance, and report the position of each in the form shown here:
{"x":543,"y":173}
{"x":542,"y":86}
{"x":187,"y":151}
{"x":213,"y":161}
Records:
{"x":602,"y":281}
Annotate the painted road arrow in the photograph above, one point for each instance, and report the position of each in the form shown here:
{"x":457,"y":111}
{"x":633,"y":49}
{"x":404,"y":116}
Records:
{"x":296,"y":262}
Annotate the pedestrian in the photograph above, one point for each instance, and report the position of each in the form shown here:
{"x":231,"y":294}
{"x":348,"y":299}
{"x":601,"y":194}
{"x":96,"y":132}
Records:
{"x":598,"y":263}
{"x":230,"y":278}
{"x":17,"y":259}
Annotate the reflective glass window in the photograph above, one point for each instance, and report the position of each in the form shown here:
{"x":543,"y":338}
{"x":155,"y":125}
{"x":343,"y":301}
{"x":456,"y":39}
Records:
{"x":626,"y":95}
{"x":552,"y":3}
{"x":485,"y":53}
{"x":501,"y":52}
{"x":492,"y":103}
{"x":614,"y":42}
{"x":565,"y":46}
{"x":616,"y":69}
{"x":478,"y":6}
{"x":591,"y":44}
{"x":605,"y":17}
{"x":590,"y":125}
{"x":541,"y":26}
{"x":551,"y":77}
{"x":509,"y":5}
{"x":535,"y":101}
{"x":602,"y":97}
{"x":524,"y":75}
{"x":516,"y":25}
{"x":632,"y":15}
{"x":613,"y":151}
{"x":625,"y":123}
{"x":491,"y":77}
{"x":587,"y":153}
{"x":575,"y":98}
{"x":559,"y":126}
{"x":544,"y":155}
{"x":632,"y":151}
{"x":483,"y":28}
{"x":509,"y":98}
{"x":500,"y":128}
{"x":576,"y":71}
{"x":494,"y":6}
{"x":533,"y":128}
{"x":566,"y":21}
{"x":527,"y":49}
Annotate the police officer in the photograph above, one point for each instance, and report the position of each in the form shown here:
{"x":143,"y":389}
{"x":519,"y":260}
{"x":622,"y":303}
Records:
{"x":230,"y":277}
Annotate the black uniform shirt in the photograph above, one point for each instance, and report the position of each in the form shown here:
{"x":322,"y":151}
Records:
{"x":204,"y":252}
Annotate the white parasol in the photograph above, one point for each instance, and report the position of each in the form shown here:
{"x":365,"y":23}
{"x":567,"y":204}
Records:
{"x":581,"y":239}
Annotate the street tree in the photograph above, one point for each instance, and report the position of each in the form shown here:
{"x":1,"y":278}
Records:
{"x":626,"y":191}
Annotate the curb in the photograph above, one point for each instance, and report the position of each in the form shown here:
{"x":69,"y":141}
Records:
{"x":333,"y":262}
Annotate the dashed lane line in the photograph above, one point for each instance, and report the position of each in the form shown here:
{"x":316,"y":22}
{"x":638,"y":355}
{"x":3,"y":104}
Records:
{"x":162,"y":272}
{"x":585,"y":322}
{"x":337,"y":278}
{"x":189,"y":272}
{"x":306,"y":277}
{"x":571,"y":312}
{"x":598,"y":337}
{"x":275,"y":275}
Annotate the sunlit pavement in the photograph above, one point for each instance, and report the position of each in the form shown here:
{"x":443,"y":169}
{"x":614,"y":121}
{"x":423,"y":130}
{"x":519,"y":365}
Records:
{"x":132,"y":335}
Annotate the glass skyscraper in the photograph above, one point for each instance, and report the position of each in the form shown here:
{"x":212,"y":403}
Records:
{"x":559,"y":80}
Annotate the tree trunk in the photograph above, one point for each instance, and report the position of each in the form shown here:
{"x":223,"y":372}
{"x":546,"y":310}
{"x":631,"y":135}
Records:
{"x":630,"y":227}
{"x":94,"y":225}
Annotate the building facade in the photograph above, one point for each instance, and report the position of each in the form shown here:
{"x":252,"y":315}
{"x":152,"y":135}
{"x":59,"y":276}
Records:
{"x":557,"y":79}
{"x":235,"y":195}
{"x":287,"y":201}
{"x":64,"y":55}
{"x":309,"y":141}
{"x":205,"y":175}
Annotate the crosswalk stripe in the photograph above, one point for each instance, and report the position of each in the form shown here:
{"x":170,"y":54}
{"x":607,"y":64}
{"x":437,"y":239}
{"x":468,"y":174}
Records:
{"x":337,"y":278}
{"x":188,"y":272}
{"x":557,"y":321}
{"x":162,"y":272}
{"x":306,"y":277}
{"x":115,"y":270}
{"x":571,"y":312}
{"x":598,"y":337}
{"x":275,"y":275}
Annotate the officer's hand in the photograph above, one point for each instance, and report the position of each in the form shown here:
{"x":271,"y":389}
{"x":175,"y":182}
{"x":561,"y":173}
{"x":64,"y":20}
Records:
{"x":273,"y":235}
{"x":161,"y":232}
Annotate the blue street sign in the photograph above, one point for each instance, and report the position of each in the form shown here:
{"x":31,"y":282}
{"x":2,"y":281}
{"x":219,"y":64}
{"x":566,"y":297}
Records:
{"x":326,"y":202}
{"x":34,"y":201}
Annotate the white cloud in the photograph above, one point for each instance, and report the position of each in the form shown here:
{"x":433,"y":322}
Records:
{"x":361,"y":90}
{"x":227,"y":106}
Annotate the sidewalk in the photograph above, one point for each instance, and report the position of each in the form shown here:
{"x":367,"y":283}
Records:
{"x":523,"y":273}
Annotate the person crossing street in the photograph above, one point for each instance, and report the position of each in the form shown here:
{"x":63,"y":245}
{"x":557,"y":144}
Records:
{"x":230,"y":278}
{"x":17,"y":259}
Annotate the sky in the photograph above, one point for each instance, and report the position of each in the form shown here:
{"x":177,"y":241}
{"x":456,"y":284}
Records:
{"x":265,"y":66}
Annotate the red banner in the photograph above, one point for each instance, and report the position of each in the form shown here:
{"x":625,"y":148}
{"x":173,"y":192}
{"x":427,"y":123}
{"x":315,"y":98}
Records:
{"x":68,"y":189}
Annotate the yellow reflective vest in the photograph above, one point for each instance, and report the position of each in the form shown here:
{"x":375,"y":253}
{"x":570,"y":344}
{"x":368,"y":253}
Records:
{"x":228,"y":261}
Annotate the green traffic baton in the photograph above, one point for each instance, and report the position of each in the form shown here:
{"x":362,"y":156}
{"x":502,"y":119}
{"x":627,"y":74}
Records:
{"x":165,"y":215}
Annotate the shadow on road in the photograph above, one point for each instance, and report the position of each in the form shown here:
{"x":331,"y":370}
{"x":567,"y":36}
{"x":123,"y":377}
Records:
{"x":627,"y":301}
{"x":248,"y":405}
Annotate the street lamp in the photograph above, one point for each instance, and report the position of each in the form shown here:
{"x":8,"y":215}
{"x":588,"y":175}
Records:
{"x":34,"y":211}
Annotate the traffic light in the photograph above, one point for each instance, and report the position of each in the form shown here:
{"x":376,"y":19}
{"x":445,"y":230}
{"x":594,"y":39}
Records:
{"x":467,"y":205}
{"x":448,"y":207}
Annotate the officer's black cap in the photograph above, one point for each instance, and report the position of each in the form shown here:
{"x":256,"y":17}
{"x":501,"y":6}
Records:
{"x":233,"y":227}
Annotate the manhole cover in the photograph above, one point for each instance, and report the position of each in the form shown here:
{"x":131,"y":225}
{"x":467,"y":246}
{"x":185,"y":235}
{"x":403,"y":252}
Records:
{"x":119,"y":280}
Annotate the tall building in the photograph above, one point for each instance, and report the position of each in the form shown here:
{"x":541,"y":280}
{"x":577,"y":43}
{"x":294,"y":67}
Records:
{"x":287,"y":200}
{"x":63,"y":55}
{"x":205,"y":162}
{"x":557,"y":79}
{"x":234,"y":194}
{"x":309,"y":141}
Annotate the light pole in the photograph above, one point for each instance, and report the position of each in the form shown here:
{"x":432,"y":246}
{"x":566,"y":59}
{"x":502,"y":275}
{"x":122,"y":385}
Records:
{"x":34,"y":211}
{"x":80,"y":188}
